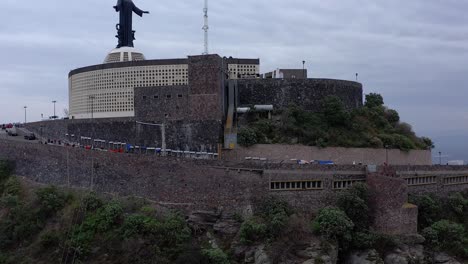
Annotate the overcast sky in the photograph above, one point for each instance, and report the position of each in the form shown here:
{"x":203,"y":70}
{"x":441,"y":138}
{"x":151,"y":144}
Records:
{"x":414,"y":53}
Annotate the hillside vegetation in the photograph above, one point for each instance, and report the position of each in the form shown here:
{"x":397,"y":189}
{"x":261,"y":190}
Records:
{"x":370,"y":126}
{"x":46,"y":225}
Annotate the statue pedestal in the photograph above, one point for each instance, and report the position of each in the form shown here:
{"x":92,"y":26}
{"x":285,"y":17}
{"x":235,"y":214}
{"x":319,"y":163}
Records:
{"x":124,"y":54}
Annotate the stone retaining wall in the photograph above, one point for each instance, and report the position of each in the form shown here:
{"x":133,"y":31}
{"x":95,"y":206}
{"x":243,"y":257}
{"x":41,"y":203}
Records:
{"x":366,"y":156}
{"x":202,"y":184}
{"x":308,"y":93}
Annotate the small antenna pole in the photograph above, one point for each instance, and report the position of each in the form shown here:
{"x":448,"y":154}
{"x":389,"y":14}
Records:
{"x":206,"y":27}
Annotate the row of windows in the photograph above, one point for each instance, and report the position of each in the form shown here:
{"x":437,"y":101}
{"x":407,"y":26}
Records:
{"x":168,"y":96}
{"x":345,"y":184}
{"x":296,"y":185}
{"x":421,"y":180}
{"x":456,"y":180}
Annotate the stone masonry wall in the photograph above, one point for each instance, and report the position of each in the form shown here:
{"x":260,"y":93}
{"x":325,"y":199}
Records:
{"x":365,"y":156}
{"x":308,"y":93}
{"x":389,"y":203}
{"x":200,"y":135}
{"x":161,"y":103}
{"x":175,"y":182}
{"x":206,"y":87}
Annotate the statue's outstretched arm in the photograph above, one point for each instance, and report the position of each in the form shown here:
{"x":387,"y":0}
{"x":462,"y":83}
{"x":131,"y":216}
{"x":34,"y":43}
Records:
{"x":138,"y":11}
{"x":118,"y":6}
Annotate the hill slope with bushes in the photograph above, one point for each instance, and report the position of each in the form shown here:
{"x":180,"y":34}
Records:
{"x":371,"y":126}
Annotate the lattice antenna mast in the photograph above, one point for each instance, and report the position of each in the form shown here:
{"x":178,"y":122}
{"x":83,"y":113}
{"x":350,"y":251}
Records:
{"x":206,"y":27}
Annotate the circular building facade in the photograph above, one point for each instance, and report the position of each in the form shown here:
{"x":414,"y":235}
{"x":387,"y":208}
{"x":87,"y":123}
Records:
{"x":107,"y":90}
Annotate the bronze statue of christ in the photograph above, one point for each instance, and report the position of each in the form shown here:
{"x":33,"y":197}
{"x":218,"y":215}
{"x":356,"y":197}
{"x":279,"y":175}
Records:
{"x":125,"y":33}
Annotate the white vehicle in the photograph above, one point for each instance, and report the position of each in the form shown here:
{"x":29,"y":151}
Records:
{"x":12,"y":131}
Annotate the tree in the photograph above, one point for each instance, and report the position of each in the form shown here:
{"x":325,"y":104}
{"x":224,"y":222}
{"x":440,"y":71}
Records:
{"x":374,"y":100}
{"x":334,"y":111}
{"x":392,"y":116}
{"x":247,"y":137}
{"x":354,"y":202}
{"x":334,"y":224}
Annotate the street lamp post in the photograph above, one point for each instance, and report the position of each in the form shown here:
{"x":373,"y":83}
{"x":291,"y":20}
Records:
{"x":91,"y":97}
{"x":440,"y":158}
{"x":357,"y":74}
{"x":303,"y":69}
{"x":54,"y":109}
{"x":25,"y":114}
{"x":163,"y":133}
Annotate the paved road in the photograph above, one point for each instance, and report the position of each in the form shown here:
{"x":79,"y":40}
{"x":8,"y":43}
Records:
{"x":20,"y":137}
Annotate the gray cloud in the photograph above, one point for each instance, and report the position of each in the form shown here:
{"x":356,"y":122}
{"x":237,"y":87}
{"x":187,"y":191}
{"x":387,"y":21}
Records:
{"x":415,"y":53}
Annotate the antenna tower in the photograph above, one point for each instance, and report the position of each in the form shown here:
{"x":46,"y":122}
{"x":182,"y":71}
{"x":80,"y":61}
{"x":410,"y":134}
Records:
{"x":205,"y":27}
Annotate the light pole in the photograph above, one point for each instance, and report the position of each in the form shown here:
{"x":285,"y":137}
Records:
{"x":25,"y":114}
{"x":54,"y":109}
{"x":303,"y":69}
{"x":163,"y":133}
{"x":357,"y":74}
{"x":91,"y":97}
{"x":440,"y":158}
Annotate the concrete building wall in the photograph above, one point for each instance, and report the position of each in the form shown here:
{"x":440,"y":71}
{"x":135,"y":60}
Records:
{"x":307,"y":93}
{"x":365,"y":156}
{"x":162,"y":103}
{"x":107,"y":90}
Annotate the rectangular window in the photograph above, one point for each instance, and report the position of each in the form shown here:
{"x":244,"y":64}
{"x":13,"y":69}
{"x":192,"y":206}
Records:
{"x":156,"y":97}
{"x":296,"y":185}
{"x":179,"y":95}
{"x":168,"y":96}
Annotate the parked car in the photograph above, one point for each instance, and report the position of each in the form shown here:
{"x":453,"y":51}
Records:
{"x":30,"y":136}
{"x":12,"y":131}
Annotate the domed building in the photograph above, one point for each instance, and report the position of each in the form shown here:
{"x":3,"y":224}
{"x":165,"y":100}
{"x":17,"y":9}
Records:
{"x":107,"y":90}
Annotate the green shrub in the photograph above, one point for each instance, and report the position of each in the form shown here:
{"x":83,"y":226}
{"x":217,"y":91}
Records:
{"x":91,"y":202}
{"x":447,"y":236}
{"x":6,"y":169}
{"x":319,"y":260}
{"x":191,"y":256}
{"x":374,"y":100}
{"x":105,"y":218}
{"x":169,"y":235}
{"x":9,"y":201}
{"x":252,"y":231}
{"x":50,"y":200}
{"x":429,"y":210}
{"x":50,"y":239}
{"x":334,"y":126}
{"x":148,"y":210}
{"x":81,"y":242}
{"x":275,"y":213}
{"x":247,"y":137}
{"x":135,"y":225}
{"x":12,"y":186}
{"x":172,"y":234}
{"x":334,"y":225}
{"x":458,"y":205}
{"x":20,"y":225}
{"x":5,"y":259}
{"x":215,"y":256}
{"x":354,"y":202}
